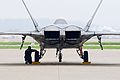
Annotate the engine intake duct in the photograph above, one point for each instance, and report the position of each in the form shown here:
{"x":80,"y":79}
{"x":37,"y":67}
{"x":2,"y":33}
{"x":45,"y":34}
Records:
{"x":52,"y":35}
{"x":72,"y":35}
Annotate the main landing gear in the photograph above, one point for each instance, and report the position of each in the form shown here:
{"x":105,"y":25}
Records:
{"x":42,"y":52}
{"x":84,"y":56}
{"x":38,"y":56}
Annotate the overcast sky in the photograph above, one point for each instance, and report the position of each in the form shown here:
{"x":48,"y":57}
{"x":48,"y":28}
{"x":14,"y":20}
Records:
{"x":82,"y":10}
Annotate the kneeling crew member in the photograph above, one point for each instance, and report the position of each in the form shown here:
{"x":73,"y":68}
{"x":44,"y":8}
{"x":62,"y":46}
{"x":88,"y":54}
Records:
{"x":28,"y":52}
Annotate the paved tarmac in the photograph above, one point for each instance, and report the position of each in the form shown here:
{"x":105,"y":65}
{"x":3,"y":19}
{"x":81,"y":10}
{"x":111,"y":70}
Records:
{"x":105,"y":66}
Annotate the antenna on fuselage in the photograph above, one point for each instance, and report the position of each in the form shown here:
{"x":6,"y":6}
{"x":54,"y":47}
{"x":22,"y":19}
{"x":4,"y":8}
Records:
{"x":91,"y":20}
{"x":33,"y":20}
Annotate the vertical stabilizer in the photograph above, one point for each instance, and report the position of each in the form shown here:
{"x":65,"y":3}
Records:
{"x":91,"y":20}
{"x":33,"y":20}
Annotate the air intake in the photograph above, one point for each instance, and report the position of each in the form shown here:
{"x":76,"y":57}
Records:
{"x":72,"y":35}
{"x":52,"y":35}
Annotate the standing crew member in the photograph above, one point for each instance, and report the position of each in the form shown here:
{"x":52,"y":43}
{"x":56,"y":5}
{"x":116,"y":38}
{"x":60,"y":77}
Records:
{"x":28,"y":52}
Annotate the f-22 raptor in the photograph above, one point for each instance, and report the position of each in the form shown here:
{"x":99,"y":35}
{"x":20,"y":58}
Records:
{"x":61,"y":35}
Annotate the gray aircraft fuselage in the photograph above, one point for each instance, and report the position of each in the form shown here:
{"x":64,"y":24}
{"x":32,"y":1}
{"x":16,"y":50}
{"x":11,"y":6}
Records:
{"x":61,"y":35}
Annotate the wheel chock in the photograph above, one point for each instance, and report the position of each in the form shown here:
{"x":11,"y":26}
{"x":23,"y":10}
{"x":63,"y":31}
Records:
{"x":86,"y":62}
{"x":35,"y":63}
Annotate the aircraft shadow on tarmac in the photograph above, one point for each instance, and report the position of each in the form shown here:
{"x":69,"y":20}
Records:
{"x":63,"y":64}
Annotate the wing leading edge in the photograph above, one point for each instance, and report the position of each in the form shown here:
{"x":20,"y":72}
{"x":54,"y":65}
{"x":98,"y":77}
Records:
{"x":83,"y":33}
{"x":100,"y":33}
{"x":20,"y":33}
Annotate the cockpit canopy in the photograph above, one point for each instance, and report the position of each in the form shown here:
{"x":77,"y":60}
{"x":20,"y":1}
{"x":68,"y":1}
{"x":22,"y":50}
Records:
{"x":60,"y":21}
{"x":51,"y":28}
{"x":72,"y":28}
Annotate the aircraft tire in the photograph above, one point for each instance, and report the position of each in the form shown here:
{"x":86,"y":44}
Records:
{"x":60,"y":60}
{"x":85,"y":56}
{"x":60,"y":57}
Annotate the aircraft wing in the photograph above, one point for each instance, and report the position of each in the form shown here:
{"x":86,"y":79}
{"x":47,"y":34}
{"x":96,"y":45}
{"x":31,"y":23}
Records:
{"x":90,"y":34}
{"x":20,"y":33}
{"x":101,"y":33}
{"x":107,"y":33}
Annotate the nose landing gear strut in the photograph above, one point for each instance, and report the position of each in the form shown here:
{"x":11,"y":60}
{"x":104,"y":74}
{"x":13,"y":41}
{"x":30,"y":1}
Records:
{"x":59,"y":53}
{"x":60,"y":56}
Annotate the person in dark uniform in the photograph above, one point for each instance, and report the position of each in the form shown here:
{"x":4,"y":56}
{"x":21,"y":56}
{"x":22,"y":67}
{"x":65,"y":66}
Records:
{"x":28,"y":52}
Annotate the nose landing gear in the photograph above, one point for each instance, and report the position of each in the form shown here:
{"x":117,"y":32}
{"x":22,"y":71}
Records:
{"x":59,"y":55}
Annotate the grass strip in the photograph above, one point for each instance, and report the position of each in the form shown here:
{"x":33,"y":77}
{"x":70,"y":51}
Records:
{"x":104,"y":43}
{"x":85,"y":47}
{"x":104,"y":47}
{"x":87,"y":43}
{"x":15,"y":43}
{"x":16,"y":47}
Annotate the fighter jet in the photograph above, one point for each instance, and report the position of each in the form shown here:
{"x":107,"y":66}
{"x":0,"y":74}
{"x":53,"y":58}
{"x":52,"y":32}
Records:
{"x":61,"y":35}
